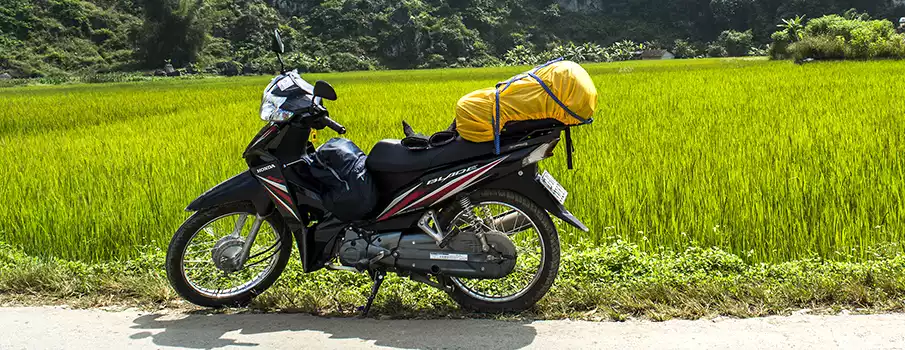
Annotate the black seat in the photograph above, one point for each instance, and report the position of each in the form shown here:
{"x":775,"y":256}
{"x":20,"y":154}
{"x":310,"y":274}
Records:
{"x":390,"y":156}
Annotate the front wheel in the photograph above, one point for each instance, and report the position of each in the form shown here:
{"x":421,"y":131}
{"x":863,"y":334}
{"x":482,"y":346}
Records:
{"x":209,"y":263}
{"x":530,"y":229}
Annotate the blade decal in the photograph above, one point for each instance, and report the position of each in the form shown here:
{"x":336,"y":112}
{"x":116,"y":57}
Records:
{"x":399,"y":208}
{"x":271,"y":178}
{"x":467,"y":182}
{"x":280,"y":202}
{"x":458,"y":182}
{"x":397,"y":200}
{"x":284,"y":195}
{"x":274,"y":184}
{"x":266,"y":133}
{"x":445,"y":191}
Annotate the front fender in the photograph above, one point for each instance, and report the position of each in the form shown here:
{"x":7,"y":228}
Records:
{"x":527,"y":184}
{"x":242,"y":187}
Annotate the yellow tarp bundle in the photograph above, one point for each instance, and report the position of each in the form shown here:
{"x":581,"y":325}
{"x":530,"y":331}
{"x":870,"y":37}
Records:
{"x":524,"y":98}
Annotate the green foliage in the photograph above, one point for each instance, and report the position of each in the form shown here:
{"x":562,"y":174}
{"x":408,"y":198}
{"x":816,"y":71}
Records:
{"x":731,"y":43}
{"x":173,"y":31}
{"x":684,"y":49}
{"x":16,"y":17}
{"x":852,"y":36}
{"x":623,"y":50}
{"x":588,"y":52}
{"x":779,"y":47}
{"x":716,"y":50}
{"x":793,"y":26}
{"x":520,"y":56}
{"x":220,"y":35}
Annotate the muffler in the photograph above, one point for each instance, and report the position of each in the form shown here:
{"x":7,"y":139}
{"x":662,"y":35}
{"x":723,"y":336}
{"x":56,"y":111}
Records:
{"x":511,"y":222}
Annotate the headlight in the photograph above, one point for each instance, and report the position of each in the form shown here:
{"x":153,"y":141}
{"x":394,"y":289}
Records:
{"x":270,"y":108}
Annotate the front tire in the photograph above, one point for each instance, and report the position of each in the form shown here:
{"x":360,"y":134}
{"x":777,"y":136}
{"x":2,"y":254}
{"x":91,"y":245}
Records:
{"x":275,"y":245}
{"x":465,"y":291}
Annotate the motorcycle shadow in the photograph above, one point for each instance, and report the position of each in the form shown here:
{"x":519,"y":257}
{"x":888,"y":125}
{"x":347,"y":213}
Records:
{"x":204,"y":330}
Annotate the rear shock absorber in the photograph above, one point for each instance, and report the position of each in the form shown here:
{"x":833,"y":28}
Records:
{"x":476,"y":222}
{"x":465,"y":203}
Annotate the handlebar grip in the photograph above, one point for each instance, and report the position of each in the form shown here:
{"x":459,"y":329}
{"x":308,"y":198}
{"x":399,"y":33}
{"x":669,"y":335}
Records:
{"x":335,"y":126}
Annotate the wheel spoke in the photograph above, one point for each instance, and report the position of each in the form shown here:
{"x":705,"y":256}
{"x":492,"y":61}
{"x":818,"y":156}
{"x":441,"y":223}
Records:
{"x":529,"y":249}
{"x":221,"y":237}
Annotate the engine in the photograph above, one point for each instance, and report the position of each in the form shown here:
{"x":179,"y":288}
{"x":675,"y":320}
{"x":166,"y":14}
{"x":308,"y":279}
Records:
{"x":419,"y":253}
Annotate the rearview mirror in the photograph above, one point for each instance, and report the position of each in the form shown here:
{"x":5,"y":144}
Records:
{"x":277,"y":43}
{"x":324,"y":90}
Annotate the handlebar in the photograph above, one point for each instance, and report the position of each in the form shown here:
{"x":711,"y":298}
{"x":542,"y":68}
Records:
{"x":334,"y":125}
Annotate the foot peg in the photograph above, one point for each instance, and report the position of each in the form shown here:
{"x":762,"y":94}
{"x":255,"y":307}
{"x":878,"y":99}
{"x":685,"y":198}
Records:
{"x":377,"y":276}
{"x":424,"y":224}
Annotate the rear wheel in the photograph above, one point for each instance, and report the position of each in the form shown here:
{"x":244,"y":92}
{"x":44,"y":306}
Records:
{"x":206,"y":263}
{"x":537,"y":244}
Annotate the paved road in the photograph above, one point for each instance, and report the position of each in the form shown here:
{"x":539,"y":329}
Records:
{"x":59,"y":328}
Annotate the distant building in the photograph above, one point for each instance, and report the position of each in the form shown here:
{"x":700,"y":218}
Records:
{"x":657,"y":55}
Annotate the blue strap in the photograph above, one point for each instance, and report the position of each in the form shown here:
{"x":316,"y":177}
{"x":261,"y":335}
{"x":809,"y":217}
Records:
{"x":531,"y":73}
{"x":556,"y":99}
{"x":547,"y":64}
{"x":496,"y":125}
{"x":496,"y":117}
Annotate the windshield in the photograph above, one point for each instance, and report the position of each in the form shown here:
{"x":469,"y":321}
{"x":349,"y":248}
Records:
{"x":286,"y":94}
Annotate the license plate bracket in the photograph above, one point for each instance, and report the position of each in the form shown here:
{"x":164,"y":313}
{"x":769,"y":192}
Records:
{"x":553,"y":186}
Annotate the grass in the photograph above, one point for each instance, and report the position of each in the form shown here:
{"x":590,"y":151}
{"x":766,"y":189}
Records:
{"x":768,"y":161}
{"x":615,"y":281}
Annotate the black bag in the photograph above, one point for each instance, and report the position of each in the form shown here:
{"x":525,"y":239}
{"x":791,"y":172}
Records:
{"x":349,"y":191}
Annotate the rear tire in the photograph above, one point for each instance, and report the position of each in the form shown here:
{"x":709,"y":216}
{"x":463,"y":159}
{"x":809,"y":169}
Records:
{"x":549,"y":267}
{"x":197,"y":222}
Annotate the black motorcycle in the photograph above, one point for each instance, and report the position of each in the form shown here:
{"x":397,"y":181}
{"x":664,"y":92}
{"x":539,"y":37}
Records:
{"x":459,"y":216}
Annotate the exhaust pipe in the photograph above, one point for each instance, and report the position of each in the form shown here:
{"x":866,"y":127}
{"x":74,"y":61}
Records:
{"x":511,"y":222}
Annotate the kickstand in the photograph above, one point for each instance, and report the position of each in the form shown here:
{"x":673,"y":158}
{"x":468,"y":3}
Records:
{"x":377,"y":276}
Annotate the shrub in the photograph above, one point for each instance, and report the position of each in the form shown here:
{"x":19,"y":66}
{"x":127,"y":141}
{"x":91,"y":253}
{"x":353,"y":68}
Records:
{"x":819,"y":47}
{"x":759,"y":51}
{"x":485,"y":60}
{"x":779,"y":47}
{"x":228,"y":68}
{"x":432,"y":61}
{"x":623,"y":50}
{"x":716,"y":50}
{"x":735,"y":43}
{"x":519,"y":55}
{"x":308,"y":64}
{"x":344,"y":61}
{"x":684,"y":49}
{"x":836,"y":37}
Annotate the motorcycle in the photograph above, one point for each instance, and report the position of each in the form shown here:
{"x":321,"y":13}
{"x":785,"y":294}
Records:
{"x":462,"y":217}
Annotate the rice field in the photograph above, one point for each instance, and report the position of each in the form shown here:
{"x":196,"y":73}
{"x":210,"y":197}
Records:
{"x":768,"y":160}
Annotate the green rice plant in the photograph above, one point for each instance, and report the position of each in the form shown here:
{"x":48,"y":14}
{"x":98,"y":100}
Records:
{"x":766,"y":160}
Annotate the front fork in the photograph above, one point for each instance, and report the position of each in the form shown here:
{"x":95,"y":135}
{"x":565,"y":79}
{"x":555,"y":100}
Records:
{"x":250,"y":240}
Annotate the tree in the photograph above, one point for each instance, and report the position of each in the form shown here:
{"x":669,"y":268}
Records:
{"x":794,"y":27}
{"x":173,"y":30}
{"x":16,"y":18}
{"x":735,"y":43}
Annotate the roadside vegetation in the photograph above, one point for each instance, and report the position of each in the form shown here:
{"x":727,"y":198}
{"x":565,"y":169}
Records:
{"x":615,"y":281}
